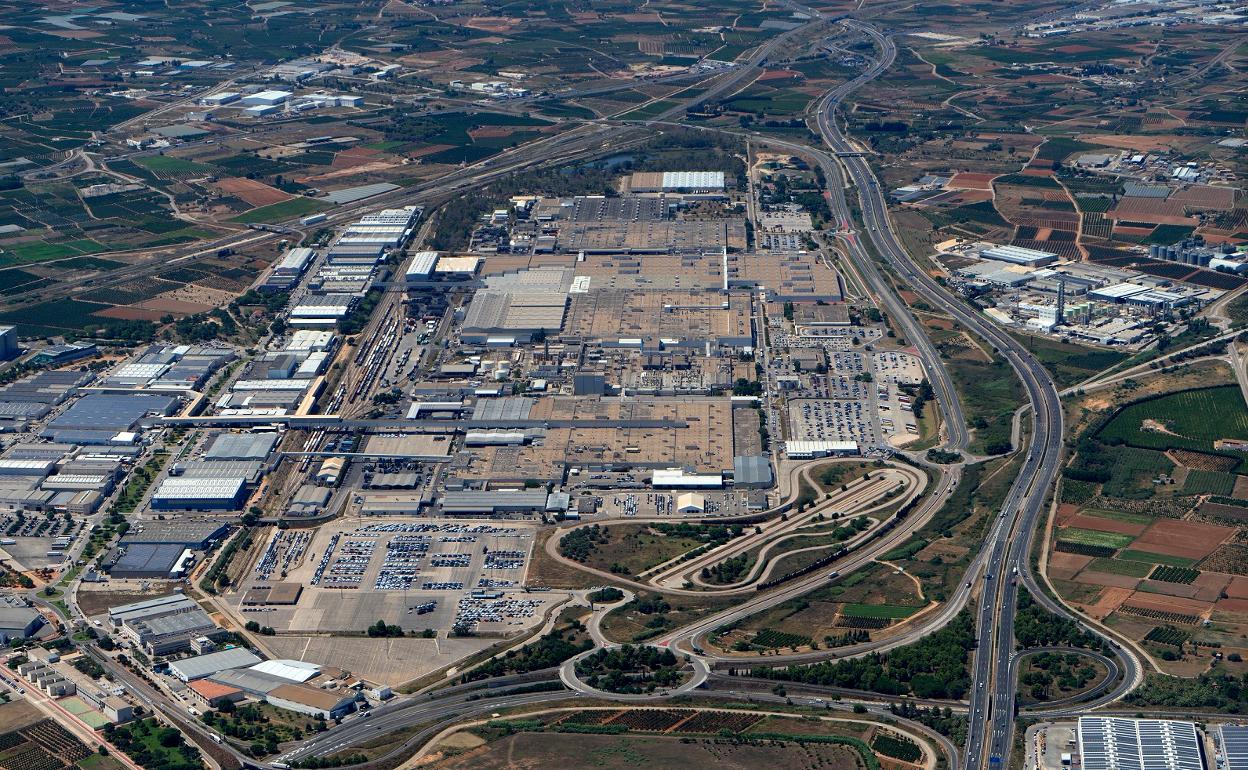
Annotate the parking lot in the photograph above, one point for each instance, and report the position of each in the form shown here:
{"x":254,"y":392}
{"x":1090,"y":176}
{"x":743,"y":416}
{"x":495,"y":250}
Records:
{"x":651,"y":504}
{"x":415,"y":573}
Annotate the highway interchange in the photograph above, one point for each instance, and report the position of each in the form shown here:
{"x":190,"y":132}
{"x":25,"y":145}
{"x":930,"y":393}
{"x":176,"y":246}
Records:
{"x":996,"y":574}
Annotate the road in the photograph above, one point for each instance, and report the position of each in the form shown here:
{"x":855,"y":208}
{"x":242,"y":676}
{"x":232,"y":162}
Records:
{"x":1007,"y":548}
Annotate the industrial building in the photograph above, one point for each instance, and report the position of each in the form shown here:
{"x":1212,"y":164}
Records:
{"x":105,"y":418}
{"x":18,"y":621}
{"x":807,"y":450}
{"x":165,"y":624}
{"x":201,"y":666}
{"x":1115,"y":743}
{"x":676,"y":181}
{"x":147,"y":561}
{"x":751,"y":471}
{"x":1233,"y":741}
{"x":312,"y":701}
{"x":1017,"y":255}
{"x":267,"y":98}
{"x":200,"y":494}
{"x":493,"y":501}
{"x":241,"y":446}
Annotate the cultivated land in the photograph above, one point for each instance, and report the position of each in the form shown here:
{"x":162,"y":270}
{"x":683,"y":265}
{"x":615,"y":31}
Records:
{"x":649,"y":393}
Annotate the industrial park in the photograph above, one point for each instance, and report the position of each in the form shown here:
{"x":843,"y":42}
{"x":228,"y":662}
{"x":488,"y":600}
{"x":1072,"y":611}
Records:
{"x":448,"y":384}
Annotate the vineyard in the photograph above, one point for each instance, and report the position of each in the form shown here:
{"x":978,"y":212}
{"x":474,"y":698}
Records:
{"x":1209,"y":483}
{"x":1166,"y":635}
{"x":1166,"y":574}
{"x":849,"y":621}
{"x":1203,"y":461}
{"x":1161,"y":615}
{"x":773,"y":639}
{"x":1091,"y":537}
{"x":1192,"y":419}
{"x":44,"y":745}
{"x":897,"y":747}
{"x":1082,"y":549}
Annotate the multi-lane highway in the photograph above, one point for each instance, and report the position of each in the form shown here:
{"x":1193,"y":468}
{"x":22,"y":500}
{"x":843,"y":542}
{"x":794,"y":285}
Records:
{"x":1008,"y":547}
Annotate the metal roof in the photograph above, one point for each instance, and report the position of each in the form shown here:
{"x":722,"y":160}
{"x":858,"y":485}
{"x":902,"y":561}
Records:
{"x":292,"y":670}
{"x":206,"y":665}
{"x":176,"y":488}
{"x":147,"y":558}
{"x":1235,"y":746}
{"x":241,"y":446}
{"x":751,"y":469}
{"x":696,"y":180}
{"x":1113,"y":743}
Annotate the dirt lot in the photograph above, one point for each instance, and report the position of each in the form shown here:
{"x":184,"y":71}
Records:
{"x":1106,"y":525}
{"x":254,"y":192}
{"x":1189,"y":539}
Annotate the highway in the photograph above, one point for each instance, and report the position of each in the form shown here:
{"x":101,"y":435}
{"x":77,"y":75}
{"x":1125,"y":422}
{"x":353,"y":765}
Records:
{"x":1008,"y":546}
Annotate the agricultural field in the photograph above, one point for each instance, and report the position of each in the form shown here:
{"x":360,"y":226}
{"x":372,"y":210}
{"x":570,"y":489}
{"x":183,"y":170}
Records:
{"x":1151,"y":544}
{"x":1192,"y":419}
{"x":659,"y":737}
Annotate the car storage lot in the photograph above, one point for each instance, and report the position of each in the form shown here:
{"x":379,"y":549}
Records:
{"x":416,"y":573}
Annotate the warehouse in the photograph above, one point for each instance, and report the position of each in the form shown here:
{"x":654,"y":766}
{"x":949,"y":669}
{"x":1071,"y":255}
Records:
{"x":421,"y":267}
{"x":165,"y":624}
{"x":144,"y":561}
{"x":99,"y":418}
{"x":1234,"y":740}
{"x":805,"y":450}
{"x":201,"y":666}
{"x":18,"y":622}
{"x":209,"y":694}
{"x":241,"y":446}
{"x":1113,"y":743}
{"x":254,"y":683}
{"x":676,"y":181}
{"x":676,"y":478}
{"x":309,"y":700}
{"x":200,"y":494}
{"x":267,"y":97}
{"x":291,"y":670}
{"x":494,"y":501}
{"x":1017,"y":255}
{"x":751,"y":471}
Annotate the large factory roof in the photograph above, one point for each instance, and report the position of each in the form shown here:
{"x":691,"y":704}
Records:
{"x":1114,"y":743}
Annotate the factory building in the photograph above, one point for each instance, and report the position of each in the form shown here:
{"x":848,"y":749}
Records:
{"x":806,"y":450}
{"x":751,"y":472}
{"x":165,"y":624}
{"x":677,"y":478}
{"x":677,"y":181}
{"x":1114,"y":743}
{"x":18,"y":621}
{"x":312,"y":701}
{"x":266,"y":98}
{"x":200,"y":494}
{"x":1017,"y":255}
{"x":202,"y":666}
{"x":493,"y":502}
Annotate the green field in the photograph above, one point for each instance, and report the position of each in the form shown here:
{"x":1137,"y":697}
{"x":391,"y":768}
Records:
{"x":1156,"y":558}
{"x":37,"y":251}
{"x":280,"y":211}
{"x":1209,"y":483}
{"x":171,"y":165}
{"x":1127,"y":516}
{"x":1092,"y":537}
{"x":1068,"y":363}
{"x":1133,"y":471}
{"x":1191,"y":419}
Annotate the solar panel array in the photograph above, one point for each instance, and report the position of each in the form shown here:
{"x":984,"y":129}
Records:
{"x":1235,"y":746}
{"x":1110,"y":743}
